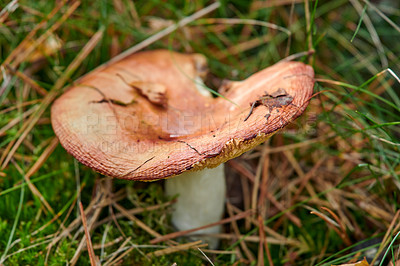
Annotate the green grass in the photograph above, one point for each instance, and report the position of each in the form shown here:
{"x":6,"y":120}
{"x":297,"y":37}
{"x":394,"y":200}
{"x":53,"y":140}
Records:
{"x":347,"y":151}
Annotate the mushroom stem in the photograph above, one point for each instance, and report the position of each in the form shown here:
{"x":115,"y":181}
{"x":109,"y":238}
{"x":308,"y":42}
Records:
{"x":201,"y":200}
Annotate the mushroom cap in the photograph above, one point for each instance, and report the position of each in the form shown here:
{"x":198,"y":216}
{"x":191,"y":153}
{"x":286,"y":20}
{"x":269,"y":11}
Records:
{"x":143,"y":118}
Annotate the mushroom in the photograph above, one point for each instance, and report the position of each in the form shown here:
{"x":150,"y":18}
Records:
{"x":147,"y":117}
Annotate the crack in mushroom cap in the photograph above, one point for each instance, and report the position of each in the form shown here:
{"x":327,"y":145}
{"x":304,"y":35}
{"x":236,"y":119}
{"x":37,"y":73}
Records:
{"x":111,"y":127}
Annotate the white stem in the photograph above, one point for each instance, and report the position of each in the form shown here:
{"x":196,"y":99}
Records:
{"x":201,"y":197}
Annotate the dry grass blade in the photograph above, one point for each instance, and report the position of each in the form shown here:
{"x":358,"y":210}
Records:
{"x":135,"y":16}
{"x":248,"y":44}
{"x":30,"y":123}
{"x":339,"y":222}
{"x":309,"y":33}
{"x":265,"y":242}
{"x":210,"y":251}
{"x":138,"y":222}
{"x":66,"y":232}
{"x":19,"y":105}
{"x":81,"y":245}
{"x":280,"y":240}
{"x":235,"y":228}
{"x":242,"y":47}
{"x":293,"y":161}
{"x":334,"y":225}
{"x":394,"y":226}
{"x":241,"y":169}
{"x":43,"y":157}
{"x":280,"y":207}
{"x":373,"y":33}
{"x":55,"y":218}
{"x":120,"y":257}
{"x":262,"y":203}
{"x":207,"y":258}
{"x":86,"y":50}
{"x":165,"y":32}
{"x":261,"y":242}
{"x":306,"y":178}
{"x":300,"y":144}
{"x":364,"y":262}
{"x":177,"y":248}
{"x":18,"y":50}
{"x":380,"y":13}
{"x":109,"y":244}
{"x":182,"y":233}
{"x":26,"y":248}
{"x":273,"y":3}
{"x":391,"y":73}
{"x":16,"y":120}
{"x":110,"y":260}
{"x":132,"y":211}
{"x":256,"y":184}
{"x":27,"y":80}
{"x":246,"y":199}
{"x":26,"y":51}
{"x":92,"y":256}
{"x":9,"y":8}
{"x":252,"y":22}
{"x":297,"y":55}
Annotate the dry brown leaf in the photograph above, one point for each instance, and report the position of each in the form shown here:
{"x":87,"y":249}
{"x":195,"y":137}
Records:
{"x":154,"y":92}
{"x":364,"y":262}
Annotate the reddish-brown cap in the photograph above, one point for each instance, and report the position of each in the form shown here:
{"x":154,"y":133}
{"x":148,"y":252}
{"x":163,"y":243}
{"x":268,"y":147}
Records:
{"x":144,"y":118}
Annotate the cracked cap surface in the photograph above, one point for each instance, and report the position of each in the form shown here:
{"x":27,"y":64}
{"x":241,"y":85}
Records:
{"x":115,"y":127}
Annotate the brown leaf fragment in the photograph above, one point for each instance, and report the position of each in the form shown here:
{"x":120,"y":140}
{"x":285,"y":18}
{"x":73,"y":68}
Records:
{"x":278,"y":93}
{"x":364,"y":262}
{"x":272,"y":102}
{"x":276,"y":99}
{"x":154,"y":92}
